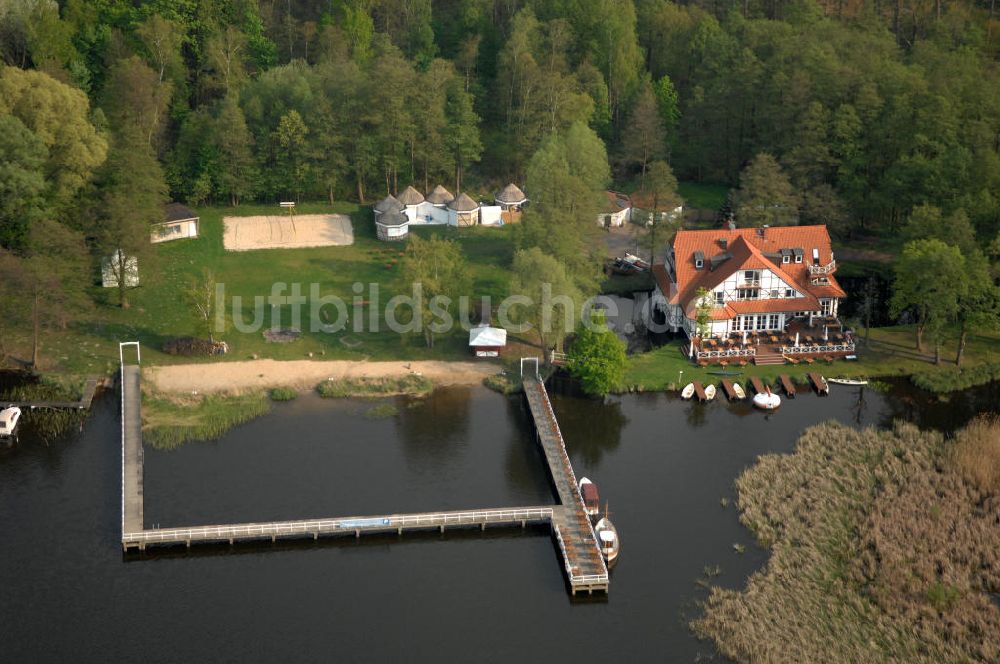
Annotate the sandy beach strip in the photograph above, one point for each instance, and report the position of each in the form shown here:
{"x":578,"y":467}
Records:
{"x":219,"y":377}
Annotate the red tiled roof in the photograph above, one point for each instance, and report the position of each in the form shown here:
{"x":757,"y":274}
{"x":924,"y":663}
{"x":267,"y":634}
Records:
{"x":615,"y":202}
{"x":769,"y":306}
{"x":747,"y":247}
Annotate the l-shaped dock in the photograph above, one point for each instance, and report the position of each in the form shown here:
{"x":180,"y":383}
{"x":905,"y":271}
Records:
{"x":582,"y":561}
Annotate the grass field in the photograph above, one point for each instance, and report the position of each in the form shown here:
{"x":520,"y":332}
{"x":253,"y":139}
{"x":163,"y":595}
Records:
{"x":891,"y":353}
{"x":703,"y":195}
{"x":158,"y":312}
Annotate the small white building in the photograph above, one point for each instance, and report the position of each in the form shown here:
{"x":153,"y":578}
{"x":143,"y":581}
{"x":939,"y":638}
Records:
{"x":181,"y":222}
{"x":617,"y":210}
{"x":486,"y":341}
{"x":118,"y":263}
{"x":391,"y":225}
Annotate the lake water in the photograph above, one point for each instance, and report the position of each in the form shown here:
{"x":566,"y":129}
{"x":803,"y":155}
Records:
{"x":68,"y":593}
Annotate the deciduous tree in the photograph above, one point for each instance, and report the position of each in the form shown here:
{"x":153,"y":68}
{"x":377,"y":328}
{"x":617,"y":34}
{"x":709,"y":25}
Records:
{"x":765,"y":196}
{"x":597,"y":357}
{"x":553,"y":298}
{"x":439,"y":266}
{"x":930,"y":279}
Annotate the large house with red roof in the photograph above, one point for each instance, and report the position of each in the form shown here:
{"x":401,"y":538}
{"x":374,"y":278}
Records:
{"x":760,"y":281}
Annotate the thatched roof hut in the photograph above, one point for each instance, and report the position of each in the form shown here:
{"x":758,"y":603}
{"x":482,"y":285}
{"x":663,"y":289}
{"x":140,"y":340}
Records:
{"x":388,"y":204}
{"x":511,"y":196}
{"x":463,"y":204}
{"x":440,"y":196}
{"x":411,"y":196}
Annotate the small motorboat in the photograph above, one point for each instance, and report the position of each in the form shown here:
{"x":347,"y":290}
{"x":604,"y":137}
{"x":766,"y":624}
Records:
{"x":8,"y":421}
{"x":738,"y":390}
{"x":709,"y":392}
{"x":591,"y":501}
{"x":688,"y":391}
{"x":766,"y":400}
{"x":847,"y":381}
{"x":607,"y":538}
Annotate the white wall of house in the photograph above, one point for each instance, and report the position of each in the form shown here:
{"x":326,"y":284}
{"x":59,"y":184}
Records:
{"x":174,"y":230}
{"x":463,"y":218}
{"x":613,"y":219}
{"x":771,"y":286}
{"x":426,"y":214}
{"x":489,"y":215}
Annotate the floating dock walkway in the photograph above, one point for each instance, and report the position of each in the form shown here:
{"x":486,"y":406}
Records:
{"x":89,"y":389}
{"x":788,"y":385}
{"x":582,"y":560}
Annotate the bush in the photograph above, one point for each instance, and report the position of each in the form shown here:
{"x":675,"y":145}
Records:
{"x":283,"y":394}
{"x":188,"y":346}
{"x":951,"y":379}
{"x":363,"y":387}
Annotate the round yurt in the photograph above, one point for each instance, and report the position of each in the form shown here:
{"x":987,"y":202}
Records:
{"x":391,"y":225}
{"x":440,"y":197}
{"x":511,"y":197}
{"x":463,"y":211}
{"x":388,"y":204}
{"x":411,"y":197}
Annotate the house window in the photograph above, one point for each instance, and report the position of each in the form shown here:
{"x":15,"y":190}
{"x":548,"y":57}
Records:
{"x":798,"y":258}
{"x":786,"y":258}
{"x":789,"y":292}
{"x":720,"y":298}
{"x":746,"y":293}
{"x":772,"y":322}
{"x":751,"y":276}
{"x":698,"y":263}
{"x":746,"y":322}
{"x":826,"y":307}
{"x":762,"y":322}
{"x":774,"y":293}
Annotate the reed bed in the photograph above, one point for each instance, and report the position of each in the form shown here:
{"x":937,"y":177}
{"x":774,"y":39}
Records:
{"x":168,"y":422}
{"x":884,"y":549}
{"x":951,"y":378}
{"x":412,"y":384}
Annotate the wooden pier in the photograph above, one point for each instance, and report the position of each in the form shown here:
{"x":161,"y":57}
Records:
{"x":89,"y":389}
{"x":582,"y":559}
{"x":730,"y":390}
{"x":819,"y":383}
{"x":699,"y":391}
{"x":569,"y":523}
{"x":787,"y":385}
{"x":758,"y":386}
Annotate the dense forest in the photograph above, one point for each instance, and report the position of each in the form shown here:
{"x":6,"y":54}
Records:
{"x":842,"y":112}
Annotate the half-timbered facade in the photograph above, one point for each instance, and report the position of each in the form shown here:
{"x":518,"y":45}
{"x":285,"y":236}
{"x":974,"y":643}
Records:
{"x":754,"y":279}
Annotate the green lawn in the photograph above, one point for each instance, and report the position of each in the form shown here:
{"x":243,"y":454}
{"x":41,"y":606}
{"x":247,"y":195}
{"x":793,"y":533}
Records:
{"x":158,"y":312}
{"x":891,"y":353}
{"x":703,"y":195}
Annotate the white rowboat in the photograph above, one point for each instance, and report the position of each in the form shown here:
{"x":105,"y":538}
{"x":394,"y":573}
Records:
{"x":846,"y":381}
{"x":710,"y":392}
{"x":738,"y":389}
{"x":688,"y":391}
{"x":8,"y":421}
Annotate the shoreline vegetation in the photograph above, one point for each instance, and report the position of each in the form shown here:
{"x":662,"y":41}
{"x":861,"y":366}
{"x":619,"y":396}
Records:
{"x":410,"y":385}
{"x":170,"y":420}
{"x":885,"y":546}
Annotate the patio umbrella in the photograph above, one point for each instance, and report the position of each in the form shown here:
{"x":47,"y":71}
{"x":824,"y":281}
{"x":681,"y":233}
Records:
{"x":744,"y":337}
{"x":796,"y":338}
{"x":826,"y":333}
{"x":691,"y":350}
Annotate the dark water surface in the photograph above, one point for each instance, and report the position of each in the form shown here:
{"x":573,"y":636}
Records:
{"x":67,"y":593}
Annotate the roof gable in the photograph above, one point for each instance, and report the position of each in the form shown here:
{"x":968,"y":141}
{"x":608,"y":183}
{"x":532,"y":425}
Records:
{"x":752,"y":249}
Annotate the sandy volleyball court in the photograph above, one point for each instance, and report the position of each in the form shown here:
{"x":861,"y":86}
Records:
{"x":303,"y":374}
{"x":281,"y":232}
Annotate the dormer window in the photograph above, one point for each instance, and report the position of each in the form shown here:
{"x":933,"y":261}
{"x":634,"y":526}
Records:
{"x":798,"y":258}
{"x":786,"y":259}
{"x":815,"y":256}
{"x":699,"y":260}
